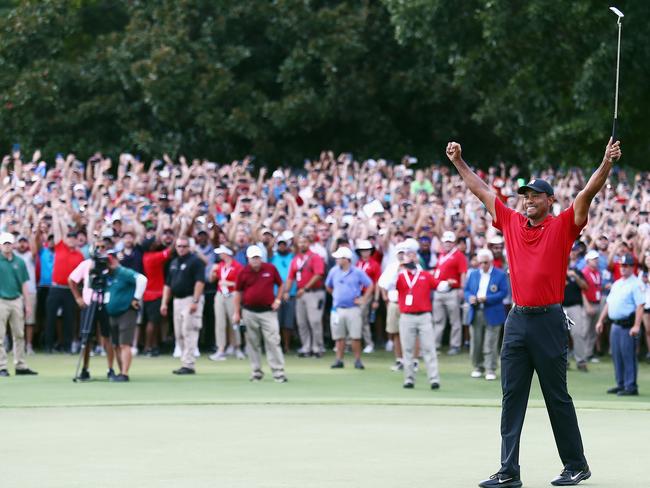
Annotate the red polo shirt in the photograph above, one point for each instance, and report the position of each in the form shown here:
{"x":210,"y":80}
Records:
{"x":371,"y":268}
{"x":153,"y":264}
{"x":65,"y":261}
{"x":593,"y":293}
{"x":538,"y":255}
{"x":226,"y":272}
{"x":450,"y":267}
{"x":304,"y":266}
{"x":420,"y":288}
{"x":615,"y":267}
{"x":257,"y":287}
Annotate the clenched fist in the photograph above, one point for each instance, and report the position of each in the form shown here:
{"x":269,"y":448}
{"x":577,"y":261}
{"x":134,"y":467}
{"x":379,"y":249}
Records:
{"x":453,"y":152}
{"x":613,"y":151}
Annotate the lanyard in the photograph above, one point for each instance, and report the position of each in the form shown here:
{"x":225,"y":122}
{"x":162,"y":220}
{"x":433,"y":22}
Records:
{"x":225,"y":271}
{"x":410,"y":283}
{"x":301,"y":262}
{"x":443,"y":259}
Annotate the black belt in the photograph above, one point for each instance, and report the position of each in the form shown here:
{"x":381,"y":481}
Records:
{"x":258,"y":308}
{"x":347,"y":308}
{"x":535,"y":310}
{"x":415,"y":313}
{"x":309,"y":290}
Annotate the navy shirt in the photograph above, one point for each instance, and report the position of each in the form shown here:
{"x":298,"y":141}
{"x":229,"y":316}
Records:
{"x":346,"y":285}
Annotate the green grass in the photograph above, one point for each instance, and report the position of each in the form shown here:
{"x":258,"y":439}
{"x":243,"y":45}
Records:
{"x":325,"y":428}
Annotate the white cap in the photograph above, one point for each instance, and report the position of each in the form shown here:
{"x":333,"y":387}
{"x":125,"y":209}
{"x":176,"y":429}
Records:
{"x":278,"y":174}
{"x":253,"y":252}
{"x":593,"y":254}
{"x":79,"y":187}
{"x":485,"y":253}
{"x":107,"y":232}
{"x":401,"y":247}
{"x":496,"y":240}
{"x":363,"y":245}
{"x":223,"y":250}
{"x":411,"y":245}
{"x":285,"y":236}
{"x":343,"y":252}
{"x":448,"y":236}
{"x":7,"y":238}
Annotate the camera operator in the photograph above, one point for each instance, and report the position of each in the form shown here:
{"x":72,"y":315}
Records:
{"x":185,"y":282}
{"x":91,"y":272}
{"x":125,"y":292}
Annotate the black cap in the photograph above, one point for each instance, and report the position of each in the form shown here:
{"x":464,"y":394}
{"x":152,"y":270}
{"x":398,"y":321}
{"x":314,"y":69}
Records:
{"x":540,"y":186}
{"x":627,"y":259}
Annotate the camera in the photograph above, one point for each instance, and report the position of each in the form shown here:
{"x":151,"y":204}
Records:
{"x":98,"y":275}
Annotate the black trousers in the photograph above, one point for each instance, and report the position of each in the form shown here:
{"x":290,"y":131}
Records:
{"x":59,"y":297}
{"x":537,"y":342}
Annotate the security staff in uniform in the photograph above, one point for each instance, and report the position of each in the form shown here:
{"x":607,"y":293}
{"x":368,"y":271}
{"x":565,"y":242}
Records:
{"x":414,"y":286}
{"x":346,"y":285}
{"x":13,"y":307}
{"x":255,"y":293}
{"x":536,"y":336}
{"x":185,"y":282}
{"x":624,"y":307}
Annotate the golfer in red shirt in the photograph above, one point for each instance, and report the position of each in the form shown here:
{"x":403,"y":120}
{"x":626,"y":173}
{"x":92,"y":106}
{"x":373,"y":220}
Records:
{"x":536,"y":336}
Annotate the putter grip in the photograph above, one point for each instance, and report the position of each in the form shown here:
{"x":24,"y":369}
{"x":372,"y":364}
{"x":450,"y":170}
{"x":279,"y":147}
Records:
{"x":614,"y":139}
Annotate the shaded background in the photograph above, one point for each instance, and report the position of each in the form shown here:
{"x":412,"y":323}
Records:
{"x":528,"y":82}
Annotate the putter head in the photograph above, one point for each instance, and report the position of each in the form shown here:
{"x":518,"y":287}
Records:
{"x":618,"y":13}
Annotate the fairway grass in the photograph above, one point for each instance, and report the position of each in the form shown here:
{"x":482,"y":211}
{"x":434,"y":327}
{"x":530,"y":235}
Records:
{"x":325,"y":428}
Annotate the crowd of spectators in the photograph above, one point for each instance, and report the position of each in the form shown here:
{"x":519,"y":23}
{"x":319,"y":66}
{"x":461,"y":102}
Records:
{"x":59,"y":213}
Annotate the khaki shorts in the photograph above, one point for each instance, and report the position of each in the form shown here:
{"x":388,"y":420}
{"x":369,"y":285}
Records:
{"x":392,"y":318}
{"x":30,"y":300}
{"x":348,"y":325}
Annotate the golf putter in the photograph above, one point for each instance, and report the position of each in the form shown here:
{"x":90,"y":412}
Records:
{"x":620,"y":15}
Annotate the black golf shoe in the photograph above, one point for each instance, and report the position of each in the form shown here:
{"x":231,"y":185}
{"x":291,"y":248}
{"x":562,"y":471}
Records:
{"x":338,"y":364}
{"x":183,"y":371}
{"x":569,"y":478}
{"x":25,"y":371}
{"x":502,"y":481}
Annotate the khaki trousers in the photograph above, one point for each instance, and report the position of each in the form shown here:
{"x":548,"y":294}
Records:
{"x":411,"y":327}
{"x":365,"y":321}
{"x":263,"y":327}
{"x":12,"y":311}
{"x":187,"y":325}
{"x":447,"y":305}
{"x":579,"y":332}
{"x":484,"y":343}
{"x":590,"y":324}
{"x":309,"y":316}
{"x":223,"y":310}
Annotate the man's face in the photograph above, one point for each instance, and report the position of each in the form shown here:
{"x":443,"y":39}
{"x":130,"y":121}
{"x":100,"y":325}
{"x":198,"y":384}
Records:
{"x":23,"y":246}
{"x":201,"y":239}
{"x":128,"y":240}
{"x":267,"y":238}
{"x":593,"y":263}
{"x":323,"y":233}
{"x":485,"y":262}
{"x":81,"y":239}
{"x":447,"y":246}
{"x":255,"y":262}
{"x":7,"y":248}
{"x":167,"y":238}
{"x":303,"y":244}
{"x":603,"y":244}
{"x":425,"y":244}
{"x":497,"y":250}
{"x":71,"y":241}
{"x":626,"y":270}
{"x":282,"y":247}
{"x":365,"y":254}
{"x":241,"y":238}
{"x":536,"y":205}
{"x":343,"y":263}
{"x":182,"y":247}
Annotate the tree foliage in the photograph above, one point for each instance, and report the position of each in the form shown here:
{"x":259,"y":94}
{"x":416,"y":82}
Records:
{"x":525,"y":81}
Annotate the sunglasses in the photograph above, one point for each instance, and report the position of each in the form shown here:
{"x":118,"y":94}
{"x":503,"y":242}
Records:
{"x":182,"y":245}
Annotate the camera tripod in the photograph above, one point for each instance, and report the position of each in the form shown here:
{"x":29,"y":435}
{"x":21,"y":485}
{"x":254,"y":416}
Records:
{"x":96,"y":303}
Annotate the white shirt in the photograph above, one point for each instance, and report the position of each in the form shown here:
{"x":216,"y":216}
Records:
{"x":388,"y":280}
{"x":484,"y":282}
{"x":31,"y":269}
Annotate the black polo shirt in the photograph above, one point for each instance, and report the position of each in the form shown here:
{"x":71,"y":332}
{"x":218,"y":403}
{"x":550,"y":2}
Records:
{"x":183,"y":274}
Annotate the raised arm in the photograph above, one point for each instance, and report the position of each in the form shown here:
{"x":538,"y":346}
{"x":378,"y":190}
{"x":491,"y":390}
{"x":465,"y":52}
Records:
{"x":596,"y":182}
{"x":475,"y":184}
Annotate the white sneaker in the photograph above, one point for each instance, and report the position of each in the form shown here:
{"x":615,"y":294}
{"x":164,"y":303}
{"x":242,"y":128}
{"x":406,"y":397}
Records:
{"x":74,"y":348}
{"x":595,"y":360}
{"x":177,"y":351}
{"x":197,"y":353}
{"x":389,"y":346}
{"x":230,"y":351}
{"x":29,"y":350}
{"x":134,"y":351}
{"x":217,"y":356}
{"x":477,"y":373}
{"x":239,"y":354}
{"x":370,"y":348}
{"x":490,"y":376}
{"x":397,"y":367}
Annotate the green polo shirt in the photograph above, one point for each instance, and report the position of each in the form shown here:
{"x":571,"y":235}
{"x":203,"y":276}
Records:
{"x":13,"y":274}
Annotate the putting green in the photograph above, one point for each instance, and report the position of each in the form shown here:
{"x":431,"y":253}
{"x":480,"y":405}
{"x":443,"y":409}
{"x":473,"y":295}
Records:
{"x":326,"y":428}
